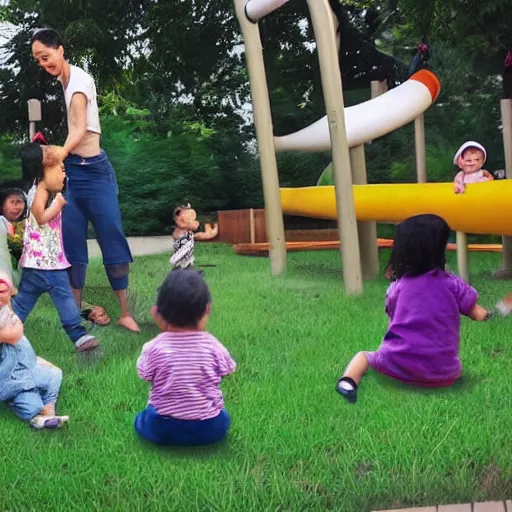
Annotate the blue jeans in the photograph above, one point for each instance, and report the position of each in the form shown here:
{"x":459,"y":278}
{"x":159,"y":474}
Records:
{"x":28,"y":404}
{"x":56,"y":282}
{"x":166,"y":430}
{"x":91,"y":193}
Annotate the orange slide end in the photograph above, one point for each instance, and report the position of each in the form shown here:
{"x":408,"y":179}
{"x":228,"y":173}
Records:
{"x":430,"y":80}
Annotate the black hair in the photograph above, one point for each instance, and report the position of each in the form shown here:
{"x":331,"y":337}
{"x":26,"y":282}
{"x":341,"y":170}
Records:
{"x":419,"y":246}
{"x":183,"y":298}
{"x":7,"y":192}
{"x":47,"y":36}
{"x":32,"y":162}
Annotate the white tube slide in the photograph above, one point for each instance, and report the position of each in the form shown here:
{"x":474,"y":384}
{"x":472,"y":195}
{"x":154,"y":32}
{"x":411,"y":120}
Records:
{"x":257,"y":9}
{"x":370,"y":119}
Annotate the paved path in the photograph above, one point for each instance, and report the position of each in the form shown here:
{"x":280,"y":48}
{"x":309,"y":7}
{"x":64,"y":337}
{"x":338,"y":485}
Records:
{"x":488,"y":506}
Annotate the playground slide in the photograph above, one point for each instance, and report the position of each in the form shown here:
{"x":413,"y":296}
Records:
{"x":370,"y":119}
{"x":485,"y":208}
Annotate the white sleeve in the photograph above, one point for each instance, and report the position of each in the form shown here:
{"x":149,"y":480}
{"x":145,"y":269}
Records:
{"x":81,"y":82}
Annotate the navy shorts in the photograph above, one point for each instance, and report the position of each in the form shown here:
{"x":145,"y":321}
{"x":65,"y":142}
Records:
{"x":165,"y":430}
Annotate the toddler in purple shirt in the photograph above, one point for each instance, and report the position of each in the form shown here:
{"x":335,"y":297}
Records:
{"x":424,"y":304}
{"x":185,"y":366}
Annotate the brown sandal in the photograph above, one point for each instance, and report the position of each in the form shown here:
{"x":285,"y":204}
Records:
{"x":95,"y":314}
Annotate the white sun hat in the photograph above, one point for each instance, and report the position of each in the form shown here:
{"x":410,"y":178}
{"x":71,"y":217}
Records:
{"x":469,"y":144}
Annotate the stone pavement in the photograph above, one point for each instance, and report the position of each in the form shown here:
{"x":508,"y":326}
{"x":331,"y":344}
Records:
{"x":488,"y":506}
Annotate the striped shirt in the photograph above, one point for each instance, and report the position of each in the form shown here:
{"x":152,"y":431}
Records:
{"x":185,"y":370}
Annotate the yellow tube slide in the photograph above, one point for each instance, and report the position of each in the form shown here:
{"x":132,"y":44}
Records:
{"x":484,"y":208}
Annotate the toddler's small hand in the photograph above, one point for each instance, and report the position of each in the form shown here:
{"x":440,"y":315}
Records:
{"x":59,"y":198}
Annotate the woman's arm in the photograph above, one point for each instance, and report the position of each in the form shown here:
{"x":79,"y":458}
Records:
{"x":77,"y":125}
{"x":42,"y":214}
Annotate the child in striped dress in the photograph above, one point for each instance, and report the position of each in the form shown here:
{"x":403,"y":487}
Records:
{"x":185,"y":366}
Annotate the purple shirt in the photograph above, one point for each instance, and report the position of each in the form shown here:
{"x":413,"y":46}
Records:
{"x":185,"y":370}
{"x":421,"y":345}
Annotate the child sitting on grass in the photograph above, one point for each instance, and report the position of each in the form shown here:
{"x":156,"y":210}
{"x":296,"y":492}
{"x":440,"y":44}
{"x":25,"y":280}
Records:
{"x":185,"y":365}
{"x":424,"y":304}
{"x":470,"y":158}
{"x":43,"y":260}
{"x":28,"y":383}
{"x":13,"y":205}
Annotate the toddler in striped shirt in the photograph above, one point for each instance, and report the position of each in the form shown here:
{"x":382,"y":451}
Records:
{"x":185,"y":365}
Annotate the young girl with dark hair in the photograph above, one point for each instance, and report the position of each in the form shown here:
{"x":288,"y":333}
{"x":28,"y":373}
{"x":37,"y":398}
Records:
{"x":92,"y":185}
{"x":43,"y":259}
{"x":424,"y":304}
{"x":185,"y":366}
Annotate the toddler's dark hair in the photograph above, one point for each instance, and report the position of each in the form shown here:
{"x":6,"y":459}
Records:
{"x":183,"y":298}
{"x":419,"y":246}
{"x":32,"y":162}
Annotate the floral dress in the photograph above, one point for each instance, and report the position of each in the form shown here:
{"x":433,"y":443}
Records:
{"x":43,"y":248}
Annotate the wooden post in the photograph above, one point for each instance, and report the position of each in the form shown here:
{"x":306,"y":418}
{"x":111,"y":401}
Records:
{"x":264,"y":133}
{"x":506,"y":120}
{"x":34,"y":115}
{"x":325,"y":36}
{"x":462,"y":255}
{"x":251,"y":226}
{"x":367,"y":231}
{"x":419,"y":139}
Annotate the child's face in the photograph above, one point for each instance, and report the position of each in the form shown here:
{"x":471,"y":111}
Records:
{"x":13,"y":207}
{"x":5,"y":292}
{"x":471,"y":161}
{"x":55,"y":177}
{"x":187,"y":219}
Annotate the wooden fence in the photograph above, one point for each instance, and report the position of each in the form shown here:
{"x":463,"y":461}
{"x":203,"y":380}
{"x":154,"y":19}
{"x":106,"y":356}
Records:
{"x":248,"y":226}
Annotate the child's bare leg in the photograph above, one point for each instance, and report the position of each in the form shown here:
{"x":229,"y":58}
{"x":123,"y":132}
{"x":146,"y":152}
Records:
{"x":347,"y":385}
{"x":357,"y":367}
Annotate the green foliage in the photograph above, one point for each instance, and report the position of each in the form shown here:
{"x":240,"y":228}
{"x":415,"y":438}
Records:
{"x":9,"y":159}
{"x":190,"y":163}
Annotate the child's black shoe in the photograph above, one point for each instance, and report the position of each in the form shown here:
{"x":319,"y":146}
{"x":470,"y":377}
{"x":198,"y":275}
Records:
{"x":347,"y":388}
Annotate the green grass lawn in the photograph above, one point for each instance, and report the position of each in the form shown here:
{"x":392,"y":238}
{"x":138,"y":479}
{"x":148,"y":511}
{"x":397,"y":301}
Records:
{"x":294,"y":444}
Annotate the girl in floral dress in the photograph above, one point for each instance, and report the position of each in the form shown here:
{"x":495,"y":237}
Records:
{"x":43,"y":260}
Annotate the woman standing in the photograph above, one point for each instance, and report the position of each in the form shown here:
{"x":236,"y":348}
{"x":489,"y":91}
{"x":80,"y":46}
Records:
{"x":92,"y":185}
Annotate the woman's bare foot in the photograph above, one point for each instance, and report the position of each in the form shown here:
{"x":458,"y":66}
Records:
{"x":128,"y":322}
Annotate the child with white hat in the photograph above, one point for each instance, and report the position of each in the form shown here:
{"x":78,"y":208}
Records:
{"x":470,"y":158}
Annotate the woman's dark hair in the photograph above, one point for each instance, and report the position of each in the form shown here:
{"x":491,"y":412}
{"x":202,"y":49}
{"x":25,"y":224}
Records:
{"x":8,"y":192}
{"x":419,"y":246}
{"x":47,"y":36}
{"x":32,"y":162}
{"x":183,"y":298}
